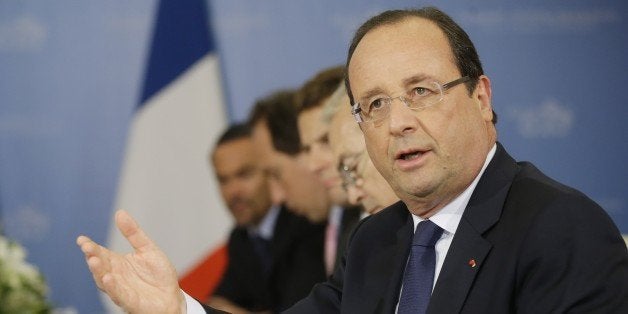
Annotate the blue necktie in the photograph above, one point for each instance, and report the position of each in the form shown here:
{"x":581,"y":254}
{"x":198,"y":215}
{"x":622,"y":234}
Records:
{"x":419,"y":275}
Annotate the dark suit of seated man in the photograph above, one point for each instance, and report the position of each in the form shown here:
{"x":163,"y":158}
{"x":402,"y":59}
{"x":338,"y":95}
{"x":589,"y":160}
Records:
{"x":294,"y":266}
{"x":274,"y":256}
{"x":311,"y":102}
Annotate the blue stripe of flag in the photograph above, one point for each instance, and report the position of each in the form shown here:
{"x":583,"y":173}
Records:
{"x":181,"y":37}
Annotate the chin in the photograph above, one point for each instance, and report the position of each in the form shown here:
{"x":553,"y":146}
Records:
{"x":417,"y":189}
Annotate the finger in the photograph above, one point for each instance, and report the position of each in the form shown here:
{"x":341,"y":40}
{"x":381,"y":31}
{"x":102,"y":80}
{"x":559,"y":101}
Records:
{"x":87,"y":246}
{"x":132,"y":231}
{"x":91,"y":248}
{"x":108,"y":286}
{"x":98,"y":270}
{"x":96,"y":256}
{"x":82,"y":239}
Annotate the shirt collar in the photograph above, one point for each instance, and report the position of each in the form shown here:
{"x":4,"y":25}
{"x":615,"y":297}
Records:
{"x":266,"y":227}
{"x":449,"y":216}
{"x":335,"y":215}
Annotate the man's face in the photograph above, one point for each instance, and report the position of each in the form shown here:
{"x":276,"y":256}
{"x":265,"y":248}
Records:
{"x":428,"y":156}
{"x":347,"y":143}
{"x":242,"y":183}
{"x":314,"y":140}
{"x":291,"y":183}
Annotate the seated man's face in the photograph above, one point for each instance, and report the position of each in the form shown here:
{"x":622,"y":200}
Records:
{"x":291,"y":182}
{"x":317,"y":152}
{"x":364,"y":184}
{"x":242,"y":182}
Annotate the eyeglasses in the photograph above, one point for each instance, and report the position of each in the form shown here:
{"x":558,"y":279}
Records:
{"x":421,"y":96}
{"x":348,"y":169}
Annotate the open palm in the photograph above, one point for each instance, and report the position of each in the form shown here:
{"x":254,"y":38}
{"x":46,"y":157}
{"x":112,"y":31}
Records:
{"x":143,"y":281}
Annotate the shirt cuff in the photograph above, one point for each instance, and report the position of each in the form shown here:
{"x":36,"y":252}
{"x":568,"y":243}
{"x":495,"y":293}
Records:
{"x":193,"y":306}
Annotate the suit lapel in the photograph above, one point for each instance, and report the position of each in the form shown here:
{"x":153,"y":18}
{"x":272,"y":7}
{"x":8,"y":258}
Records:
{"x":397,"y":263}
{"x":458,"y":272}
{"x":289,"y":230}
{"x":280,"y":242}
{"x":350,"y":219}
{"x":469,"y":249}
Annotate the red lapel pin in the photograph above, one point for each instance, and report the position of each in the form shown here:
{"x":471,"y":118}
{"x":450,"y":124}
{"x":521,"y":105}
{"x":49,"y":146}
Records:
{"x":472,"y":263}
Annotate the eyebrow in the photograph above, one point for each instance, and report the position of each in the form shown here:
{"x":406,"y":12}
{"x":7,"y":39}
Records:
{"x":370,"y":93}
{"x":416,"y":79}
{"x":406,"y":82}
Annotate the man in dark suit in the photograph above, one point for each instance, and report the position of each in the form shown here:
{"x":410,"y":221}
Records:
{"x":311,"y":101}
{"x":271,"y":251}
{"x":501,"y":236}
{"x":276,"y":137}
{"x":278,"y":147}
{"x":495,"y":236}
{"x":274,"y":285}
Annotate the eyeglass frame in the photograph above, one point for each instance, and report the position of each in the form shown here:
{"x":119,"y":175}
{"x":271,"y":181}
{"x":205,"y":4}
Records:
{"x":349,"y":174}
{"x":355,"y":108}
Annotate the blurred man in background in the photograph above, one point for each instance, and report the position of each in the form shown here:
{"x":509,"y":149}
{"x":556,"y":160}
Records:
{"x":275,"y":134}
{"x":361,"y":180}
{"x":314,"y":135}
{"x":278,"y":149}
{"x":258,"y":243}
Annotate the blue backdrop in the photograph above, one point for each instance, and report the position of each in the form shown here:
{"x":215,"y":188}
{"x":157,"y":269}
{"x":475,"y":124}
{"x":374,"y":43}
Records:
{"x":71,"y":72}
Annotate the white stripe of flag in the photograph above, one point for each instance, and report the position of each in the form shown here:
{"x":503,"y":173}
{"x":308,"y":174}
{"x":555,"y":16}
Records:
{"x":166,"y":182}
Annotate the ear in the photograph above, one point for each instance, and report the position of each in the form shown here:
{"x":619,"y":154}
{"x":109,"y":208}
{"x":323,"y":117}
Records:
{"x":277,"y":193}
{"x":483,"y":97}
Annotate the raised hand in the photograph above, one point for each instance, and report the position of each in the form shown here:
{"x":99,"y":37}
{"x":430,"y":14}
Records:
{"x":143,"y":281}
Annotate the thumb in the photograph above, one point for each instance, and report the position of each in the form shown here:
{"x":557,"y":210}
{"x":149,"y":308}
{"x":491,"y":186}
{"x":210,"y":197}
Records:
{"x":131,"y":230}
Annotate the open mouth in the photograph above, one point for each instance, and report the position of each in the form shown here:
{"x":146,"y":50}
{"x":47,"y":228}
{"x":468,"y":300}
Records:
{"x":409,"y":155}
{"x":411,"y":158}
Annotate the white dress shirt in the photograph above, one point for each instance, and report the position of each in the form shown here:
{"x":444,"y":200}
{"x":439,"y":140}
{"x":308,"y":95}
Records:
{"x":266,"y":228}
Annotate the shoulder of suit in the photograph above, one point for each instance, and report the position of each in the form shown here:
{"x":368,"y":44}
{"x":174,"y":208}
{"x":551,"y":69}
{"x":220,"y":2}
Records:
{"x":541,"y":198}
{"x":531,"y":182}
{"x":395,"y":214}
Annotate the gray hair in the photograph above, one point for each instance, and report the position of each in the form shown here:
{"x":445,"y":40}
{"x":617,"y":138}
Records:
{"x":334,"y":103}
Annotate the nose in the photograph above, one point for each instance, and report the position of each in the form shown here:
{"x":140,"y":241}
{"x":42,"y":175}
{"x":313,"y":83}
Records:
{"x":355,"y":194}
{"x":230,"y":190}
{"x":316,"y":159}
{"x":402,"y":118}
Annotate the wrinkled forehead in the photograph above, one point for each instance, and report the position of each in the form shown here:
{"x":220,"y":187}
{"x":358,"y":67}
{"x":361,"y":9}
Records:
{"x":234,"y":154}
{"x":400,"y":50}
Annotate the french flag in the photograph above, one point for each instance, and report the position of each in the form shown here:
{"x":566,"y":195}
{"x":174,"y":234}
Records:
{"x":166,"y":181}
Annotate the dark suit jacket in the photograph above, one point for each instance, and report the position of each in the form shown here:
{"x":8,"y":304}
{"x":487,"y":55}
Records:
{"x":350,"y":219}
{"x":211,"y":310}
{"x":538,"y":247}
{"x":297,"y":249}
